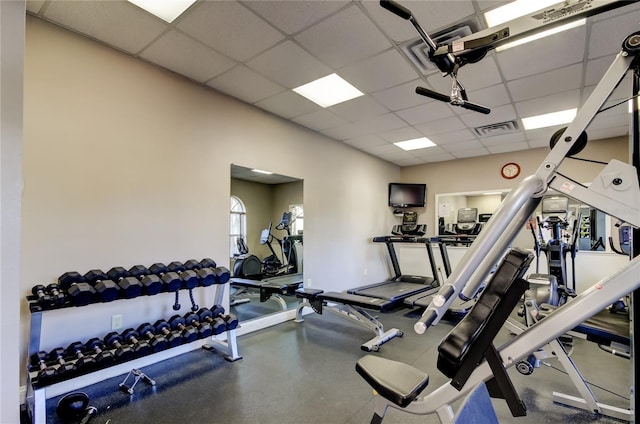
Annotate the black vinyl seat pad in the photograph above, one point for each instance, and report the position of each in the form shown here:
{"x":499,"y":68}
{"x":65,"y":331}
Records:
{"x":346,"y":299}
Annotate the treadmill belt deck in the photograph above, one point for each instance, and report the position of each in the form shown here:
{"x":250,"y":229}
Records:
{"x":392,"y":290}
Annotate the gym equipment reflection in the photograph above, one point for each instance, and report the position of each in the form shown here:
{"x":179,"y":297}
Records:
{"x":266,"y":260}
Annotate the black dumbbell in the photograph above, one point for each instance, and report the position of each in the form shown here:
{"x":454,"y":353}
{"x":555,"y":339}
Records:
{"x":204,"y":328}
{"x":64,"y":367}
{"x":43,"y":299}
{"x":192,"y":264}
{"x":106,"y":288}
{"x":83,"y":362}
{"x":173,"y":337}
{"x":208,"y":263}
{"x":157,"y":341}
{"x":151,"y":283}
{"x":103,"y":357}
{"x":122,"y":352}
{"x":80,"y":293}
{"x":57,"y":296}
{"x":189,"y":277}
{"x":206,"y":276}
{"x":45,"y":373}
{"x":230,"y":319}
{"x":217,"y":323}
{"x":129,"y":285}
{"x":170,"y":280}
{"x":189,"y":334}
{"x":222,"y":275}
{"x":140,"y":347}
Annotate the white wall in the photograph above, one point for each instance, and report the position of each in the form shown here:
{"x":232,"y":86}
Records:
{"x":11,"y":69}
{"x":126,"y":163}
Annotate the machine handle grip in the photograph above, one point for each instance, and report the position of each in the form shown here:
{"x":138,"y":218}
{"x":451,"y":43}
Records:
{"x":396,"y":9}
{"x":432,"y":94}
{"x":425,"y":321}
{"x":476,"y":107}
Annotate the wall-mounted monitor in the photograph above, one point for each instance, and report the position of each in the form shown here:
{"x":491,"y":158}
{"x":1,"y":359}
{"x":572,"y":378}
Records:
{"x":406,"y":195}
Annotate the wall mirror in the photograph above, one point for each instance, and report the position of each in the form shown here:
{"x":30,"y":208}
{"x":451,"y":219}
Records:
{"x":266,"y":242}
{"x":594,"y":227}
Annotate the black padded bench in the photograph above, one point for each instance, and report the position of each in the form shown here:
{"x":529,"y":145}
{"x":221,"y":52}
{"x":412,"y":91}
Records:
{"x":466,"y":346}
{"x":352,"y":307}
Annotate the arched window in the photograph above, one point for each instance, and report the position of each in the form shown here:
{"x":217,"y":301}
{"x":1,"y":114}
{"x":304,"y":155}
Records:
{"x":238,"y":225}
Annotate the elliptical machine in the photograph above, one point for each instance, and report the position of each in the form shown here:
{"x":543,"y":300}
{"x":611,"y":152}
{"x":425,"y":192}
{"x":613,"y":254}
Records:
{"x":250,"y":267}
{"x":553,"y":288}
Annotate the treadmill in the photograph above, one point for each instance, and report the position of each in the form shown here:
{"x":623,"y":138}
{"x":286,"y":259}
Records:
{"x":400,"y":286}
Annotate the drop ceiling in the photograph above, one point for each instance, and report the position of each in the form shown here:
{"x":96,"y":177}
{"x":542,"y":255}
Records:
{"x":257,"y":51}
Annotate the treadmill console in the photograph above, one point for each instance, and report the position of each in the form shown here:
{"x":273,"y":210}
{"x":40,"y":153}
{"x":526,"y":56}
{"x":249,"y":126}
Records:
{"x":409,"y":226}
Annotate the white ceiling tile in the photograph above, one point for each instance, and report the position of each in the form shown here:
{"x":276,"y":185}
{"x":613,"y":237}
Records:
{"x":603,"y":121}
{"x":387,"y":149}
{"x":344,"y":38}
{"x":607,"y":35}
{"x":437,"y":158}
{"x":345,"y":132}
{"x":429,"y":151}
{"x":181,"y":54}
{"x":245,"y":84}
{"x":473,"y":76}
{"x":560,"y":101}
{"x":542,"y":133}
{"x":289,"y":65}
{"x":428,"y":112}
{"x":433,"y":15}
{"x":557,"y":80}
{"x":596,"y":68}
{"x":320,"y":120}
{"x":555,"y":51}
{"x":511,"y":147}
{"x":401,"y":97}
{"x":503,"y":139}
{"x":366,"y":141}
{"x":471,"y":153}
{"x":490,"y":96}
{"x":379,"y":72}
{"x":401,"y":134}
{"x":498,"y":114}
{"x":538,"y":143}
{"x":599,"y":134}
{"x":295,"y":15}
{"x":230,"y":28}
{"x":446,"y":138}
{"x":358,"y":108}
{"x":441,"y":126}
{"x":464,"y":145}
{"x":287,"y":104}
{"x":118,"y":23}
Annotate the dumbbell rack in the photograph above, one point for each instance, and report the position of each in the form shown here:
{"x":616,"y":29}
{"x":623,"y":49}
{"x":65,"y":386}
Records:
{"x":37,"y":394}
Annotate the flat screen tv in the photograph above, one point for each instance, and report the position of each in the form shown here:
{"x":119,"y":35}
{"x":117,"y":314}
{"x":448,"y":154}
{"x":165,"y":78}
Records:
{"x":405,"y":195}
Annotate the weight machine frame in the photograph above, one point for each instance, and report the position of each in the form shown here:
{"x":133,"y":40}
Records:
{"x":614,"y":191}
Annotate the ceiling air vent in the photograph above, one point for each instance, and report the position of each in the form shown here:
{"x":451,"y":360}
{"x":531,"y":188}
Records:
{"x":418,"y":52}
{"x":492,"y":130}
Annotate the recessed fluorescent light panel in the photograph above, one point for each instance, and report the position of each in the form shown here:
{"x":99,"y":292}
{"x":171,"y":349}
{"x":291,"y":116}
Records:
{"x":416,"y":143}
{"x":542,"y":34}
{"x":260,"y":171}
{"x":167,"y":10}
{"x":515,"y":10}
{"x":328,"y":91}
{"x":549,"y":119}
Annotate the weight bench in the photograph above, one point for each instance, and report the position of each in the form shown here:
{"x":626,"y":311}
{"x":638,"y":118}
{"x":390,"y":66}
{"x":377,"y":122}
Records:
{"x":462,"y":350}
{"x":351,"y":307}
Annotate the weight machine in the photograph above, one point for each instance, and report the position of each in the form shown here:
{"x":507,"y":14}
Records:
{"x":614,"y":191}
